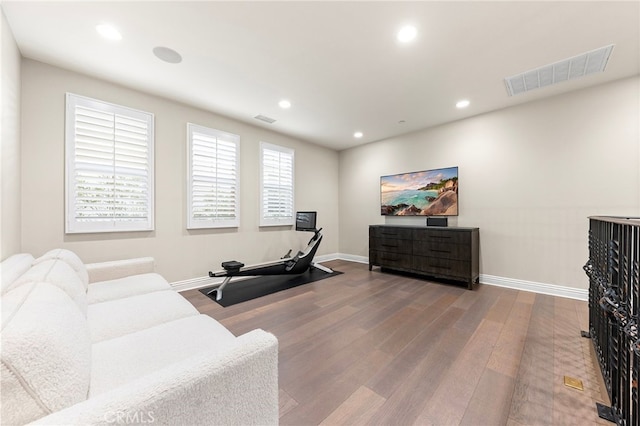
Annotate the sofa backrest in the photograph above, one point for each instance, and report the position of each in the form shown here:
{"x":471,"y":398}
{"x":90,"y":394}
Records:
{"x":59,"y":274}
{"x":71,"y":259}
{"x":12,"y":267}
{"x":46,"y":353}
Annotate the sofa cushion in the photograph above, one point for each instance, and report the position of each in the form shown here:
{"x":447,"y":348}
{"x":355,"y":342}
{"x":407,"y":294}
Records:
{"x":122,"y":316}
{"x":114,"y":269}
{"x":103,"y":291}
{"x":14,"y":266}
{"x":59,"y":274}
{"x":46,"y":353}
{"x":124,"y":359}
{"x":70,"y":258}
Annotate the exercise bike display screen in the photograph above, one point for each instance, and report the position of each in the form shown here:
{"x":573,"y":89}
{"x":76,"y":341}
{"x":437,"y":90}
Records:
{"x":306,"y":221}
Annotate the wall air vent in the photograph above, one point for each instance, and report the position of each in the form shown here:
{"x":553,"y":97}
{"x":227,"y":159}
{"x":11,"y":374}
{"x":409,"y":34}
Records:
{"x":567,"y":69}
{"x":265,"y":118}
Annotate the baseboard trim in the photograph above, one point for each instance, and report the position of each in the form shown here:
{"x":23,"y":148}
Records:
{"x":513,"y":283}
{"x":535,"y":287}
{"x":352,"y":258}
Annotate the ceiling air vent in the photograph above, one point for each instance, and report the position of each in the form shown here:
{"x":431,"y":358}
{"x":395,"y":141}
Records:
{"x":567,"y":69}
{"x":265,"y":118}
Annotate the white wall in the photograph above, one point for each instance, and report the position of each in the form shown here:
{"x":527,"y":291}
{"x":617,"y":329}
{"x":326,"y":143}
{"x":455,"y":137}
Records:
{"x":10,"y":220}
{"x":180,"y":254}
{"x":529,"y":177}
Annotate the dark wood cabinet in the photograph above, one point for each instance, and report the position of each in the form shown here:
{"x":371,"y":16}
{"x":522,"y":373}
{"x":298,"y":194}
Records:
{"x":450,"y":253}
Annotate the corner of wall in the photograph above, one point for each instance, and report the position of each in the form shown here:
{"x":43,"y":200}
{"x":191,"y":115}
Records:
{"x":11,"y":170}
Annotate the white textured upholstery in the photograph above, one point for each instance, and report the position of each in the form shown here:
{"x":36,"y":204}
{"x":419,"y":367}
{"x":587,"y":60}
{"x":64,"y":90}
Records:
{"x":122,"y":316}
{"x":13,"y":267}
{"x":124,"y":350}
{"x":125,"y":287}
{"x":59,"y":274}
{"x":105,"y":271}
{"x":46,"y":353}
{"x":141,"y":353}
{"x":69,"y":257}
{"x":239,"y":386}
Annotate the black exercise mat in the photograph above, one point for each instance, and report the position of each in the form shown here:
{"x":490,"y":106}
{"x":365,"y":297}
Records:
{"x":242,"y":290}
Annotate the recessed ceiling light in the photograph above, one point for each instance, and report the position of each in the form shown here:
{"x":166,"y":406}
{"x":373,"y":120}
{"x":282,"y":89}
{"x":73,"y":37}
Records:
{"x":407,"y":33}
{"x":357,"y":135}
{"x":462,"y":104}
{"x":167,"y":55}
{"x":284,"y":104}
{"x":109,"y":32}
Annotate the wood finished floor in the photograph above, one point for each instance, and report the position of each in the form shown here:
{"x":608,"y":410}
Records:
{"x":376,"y":348}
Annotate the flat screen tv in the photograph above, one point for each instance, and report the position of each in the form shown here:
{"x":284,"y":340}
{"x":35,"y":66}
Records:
{"x":425,"y":193}
{"x":306,"y":221}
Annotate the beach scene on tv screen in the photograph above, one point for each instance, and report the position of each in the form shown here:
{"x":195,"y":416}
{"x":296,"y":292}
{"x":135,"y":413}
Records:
{"x":426,"y":193}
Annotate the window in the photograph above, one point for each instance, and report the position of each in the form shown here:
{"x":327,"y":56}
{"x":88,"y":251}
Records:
{"x":213,"y":180}
{"x":109,"y":167}
{"x":276,"y":185}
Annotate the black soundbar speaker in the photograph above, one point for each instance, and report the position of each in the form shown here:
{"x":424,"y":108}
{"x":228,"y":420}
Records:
{"x":437,"y":221}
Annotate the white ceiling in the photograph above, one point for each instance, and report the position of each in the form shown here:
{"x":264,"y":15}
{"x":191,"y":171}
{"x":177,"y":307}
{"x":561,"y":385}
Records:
{"x":337,"y":62}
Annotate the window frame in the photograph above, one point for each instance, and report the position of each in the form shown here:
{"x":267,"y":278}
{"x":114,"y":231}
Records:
{"x":192,"y":222}
{"x":280,"y":220}
{"x":72,"y":223}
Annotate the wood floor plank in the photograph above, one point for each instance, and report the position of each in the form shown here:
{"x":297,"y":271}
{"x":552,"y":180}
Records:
{"x":569,"y":405}
{"x":506,"y":355}
{"x":327,"y":394}
{"x":415,"y":372}
{"x":448,"y":403}
{"x":533,"y":394}
{"x":367,"y":347}
{"x":491,"y":400}
{"x":358,"y":409}
{"x":286,"y":402}
{"x":389,"y":379}
{"x":501,"y":309}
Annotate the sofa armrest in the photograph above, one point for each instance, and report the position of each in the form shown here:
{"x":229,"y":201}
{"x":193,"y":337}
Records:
{"x":236,"y":387}
{"x":104,"y":271}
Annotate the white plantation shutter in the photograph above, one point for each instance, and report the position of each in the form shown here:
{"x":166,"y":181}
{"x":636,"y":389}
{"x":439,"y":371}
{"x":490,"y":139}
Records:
{"x":276,"y":189}
{"x":109,"y":167}
{"x":213,"y":197}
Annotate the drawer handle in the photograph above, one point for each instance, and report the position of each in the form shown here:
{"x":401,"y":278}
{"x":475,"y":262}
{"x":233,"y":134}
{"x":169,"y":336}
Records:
{"x":441,"y":251}
{"x":389,"y":245}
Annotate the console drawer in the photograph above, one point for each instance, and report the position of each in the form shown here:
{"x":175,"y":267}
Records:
{"x":390,"y":232}
{"x":437,"y":235}
{"x":390,"y":259}
{"x":390,"y":245}
{"x":447,"y":250}
{"x":441,"y":267}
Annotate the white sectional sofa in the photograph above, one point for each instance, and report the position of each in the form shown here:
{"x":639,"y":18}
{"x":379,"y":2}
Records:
{"x":112,"y":343}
